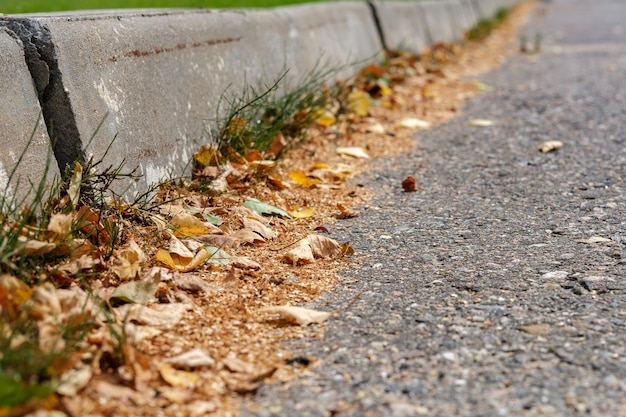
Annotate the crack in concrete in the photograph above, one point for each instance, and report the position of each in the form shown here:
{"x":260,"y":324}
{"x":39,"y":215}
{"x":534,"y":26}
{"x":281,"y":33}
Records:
{"x":55,"y":103}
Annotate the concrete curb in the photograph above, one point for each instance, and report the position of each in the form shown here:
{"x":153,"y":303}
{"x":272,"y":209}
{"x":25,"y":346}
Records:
{"x":153,"y":79}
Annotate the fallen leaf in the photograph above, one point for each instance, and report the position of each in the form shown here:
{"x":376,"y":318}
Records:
{"x":264,"y":208}
{"x":481,"y":123}
{"x":412,"y":123}
{"x":177,"y":378}
{"x":408,"y":184}
{"x":276,"y":182}
{"x":302,"y":213}
{"x":220,"y":241}
{"x":302,"y":179}
{"x":359,"y":102}
{"x":34,"y":248}
{"x":257,"y":227}
{"x":194,"y":283}
{"x":217,"y":256}
{"x":549,"y":146}
{"x":186,"y":224}
{"x":263,"y":166}
{"x":353,"y":151}
{"x":183,"y":264}
{"x":243,"y":262}
{"x":346,"y":249}
{"x":157,"y":315}
{"x":176,"y":395}
{"x":59,"y":228}
{"x":375,"y":128}
{"x":298,"y":315}
{"x":234,"y":364}
{"x":536,"y":329}
{"x":13,"y":294}
{"x":207,"y":155}
{"x":346,"y":213}
{"x":127,"y":262}
{"x":326,"y":118}
{"x":140,"y":292}
{"x":195,"y":358}
{"x":248,"y":236}
{"x":594,"y":239}
{"x":301,"y":253}
{"x":74,"y":380}
{"x":322,"y":246}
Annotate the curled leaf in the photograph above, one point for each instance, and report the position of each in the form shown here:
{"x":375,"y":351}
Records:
{"x":177,"y":378}
{"x":299,"y":315}
{"x":412,"y":123}
{"x":353,"y":151}
{"x":302,"y":179}
{"x":550,"y":146}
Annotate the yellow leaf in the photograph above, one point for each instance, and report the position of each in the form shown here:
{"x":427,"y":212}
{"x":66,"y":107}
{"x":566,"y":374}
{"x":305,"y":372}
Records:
{"x":205,"y":156}
{"x":326,"y":118}
{"x":186,"y":224}
{"x":164,"y":257}
{"x":302,"y":213}
{"x":319,"y":166}
{"x":176,"y":378}
{"x":13,"y":294}
{"x":385,"y":91}
{"x":302,"y":180}
{"x":359,"y":102}
{"x":183,"y":264}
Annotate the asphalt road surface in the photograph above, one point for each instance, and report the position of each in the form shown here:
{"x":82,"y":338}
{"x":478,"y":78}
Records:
{"x":499,"y":287}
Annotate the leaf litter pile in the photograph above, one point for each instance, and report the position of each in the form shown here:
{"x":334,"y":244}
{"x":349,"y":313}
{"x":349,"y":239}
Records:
{"x":178,"y":307}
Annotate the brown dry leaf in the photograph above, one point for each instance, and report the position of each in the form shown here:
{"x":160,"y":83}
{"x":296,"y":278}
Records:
{"x":353,"y":151}
{"x":276,"y":182}
{"x":263,"y":166}
{"x":257,"y":227}
{"x":243,"y":262}
{"x":178,"y":248}
{"x":408,"y":184}
{"x":176,"y":395}
{"x":220,"y":241}
{"x":301,"y":253}
{"x":346,"y":213}
{"x":298,"y":315}
{"x":59,"y":228}
{"x":536,"y":329}
{"x":278,"y":144}
{"x":302,"y":179}
{"x":550,"y":146}
{"x":156,"y":315}
{"x":176,"y":378}
{"x":34,"y":247}
{"x":234,"y":364}
{"x":171,"y":210}
{"x":195,"y":358}
{"x":127,"y":262}
{"x":89,"y":223}
{"x":322,"y":246}
{"x":248,"y":236}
